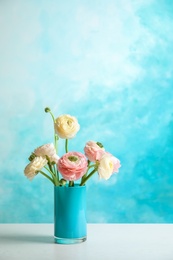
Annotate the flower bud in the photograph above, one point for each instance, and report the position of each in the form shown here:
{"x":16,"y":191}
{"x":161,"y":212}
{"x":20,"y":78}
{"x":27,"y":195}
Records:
{"x":47,"y":110}
{"x":63,"y":182}
{"x":99,"y":144}
{"x":31,"y":157}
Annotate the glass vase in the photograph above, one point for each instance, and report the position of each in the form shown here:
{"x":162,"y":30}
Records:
{"x":70,"y":224}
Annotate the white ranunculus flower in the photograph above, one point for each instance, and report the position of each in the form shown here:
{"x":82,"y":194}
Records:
{"x":66,"y":126}
{"x":106,"y":166}
{"x":34,"y":166}
{"x":49,"y":150}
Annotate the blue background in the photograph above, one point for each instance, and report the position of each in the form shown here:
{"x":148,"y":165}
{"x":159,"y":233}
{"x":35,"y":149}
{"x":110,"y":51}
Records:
{"x":110,"y":64}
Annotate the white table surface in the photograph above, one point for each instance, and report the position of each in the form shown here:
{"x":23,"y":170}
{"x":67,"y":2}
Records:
{"x":104,"y":242}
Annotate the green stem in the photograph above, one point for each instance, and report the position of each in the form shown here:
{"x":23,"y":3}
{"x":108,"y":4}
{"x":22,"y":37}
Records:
{"x":56,"y":172}
{"x":83,"y":177}
{"x":52,"y":116}
{"x":55,"y":135}
{"x":56,"y":142}
{"x":51,"y":170}
{"x":66,"y":145}
{"x":89,"y":176}
{"x":47,"y":176}
{"x":50,"y":167}
{"x":56,"y":182}
{"x":71,"y":183}
{"x":89,"y":167}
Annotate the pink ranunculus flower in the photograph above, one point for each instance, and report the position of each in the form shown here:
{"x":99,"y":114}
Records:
{"x":93,"y":151}
{"x":72,"y":166}
{"x":49,"y":150}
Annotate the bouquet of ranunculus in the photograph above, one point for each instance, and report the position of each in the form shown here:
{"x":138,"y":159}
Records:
{"x":71,"y":166}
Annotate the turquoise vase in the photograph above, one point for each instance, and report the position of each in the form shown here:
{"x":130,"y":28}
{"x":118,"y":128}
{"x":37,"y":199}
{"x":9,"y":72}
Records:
{"x":70,"y":224}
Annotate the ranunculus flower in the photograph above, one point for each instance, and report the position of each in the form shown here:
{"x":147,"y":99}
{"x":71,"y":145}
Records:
{"x":49,"y":150}
{"x":106,"y":166}
{"x":93,"y":151}
{"x":116,"y":163}
{"x":66,"y":126}
{"x":34,"y":166}
{"x":72,"y":165}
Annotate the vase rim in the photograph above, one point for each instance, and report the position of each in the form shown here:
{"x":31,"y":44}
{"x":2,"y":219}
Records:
{"x":77,"y":185}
